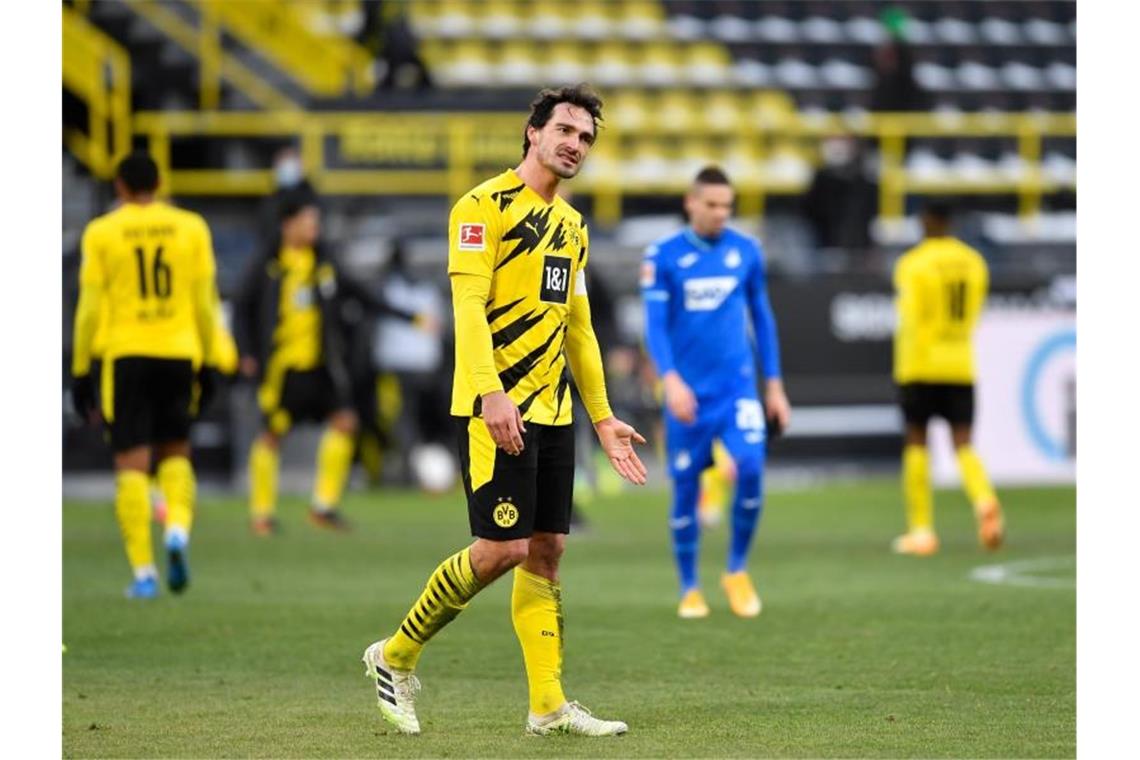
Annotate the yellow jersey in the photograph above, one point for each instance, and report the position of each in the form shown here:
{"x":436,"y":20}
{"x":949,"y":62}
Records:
{"x":534,"y":255}
{"x":941,"y":286}
{"x":297,"y":337}
{"x":148,"y":260}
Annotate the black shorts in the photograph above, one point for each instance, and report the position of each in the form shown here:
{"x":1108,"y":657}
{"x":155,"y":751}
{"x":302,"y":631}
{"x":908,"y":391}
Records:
{"x":304,"y":396}
{"x":921,"y":401}
{"x":514,"y":496}
{"x":148,"y":400}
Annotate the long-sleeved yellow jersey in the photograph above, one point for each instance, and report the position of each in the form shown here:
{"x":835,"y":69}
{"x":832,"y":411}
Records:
{"x":517,"y":267}
{"x":147,"y":281}
{"x":941,"y":286}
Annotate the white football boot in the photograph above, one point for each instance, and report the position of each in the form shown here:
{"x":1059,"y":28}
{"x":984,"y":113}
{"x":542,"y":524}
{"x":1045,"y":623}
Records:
{"x":572,"y":718}
{"x":395,"y":689}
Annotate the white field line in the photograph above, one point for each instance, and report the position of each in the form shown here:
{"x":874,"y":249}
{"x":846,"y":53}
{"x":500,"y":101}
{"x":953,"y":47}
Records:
{"x":1024,"y":573}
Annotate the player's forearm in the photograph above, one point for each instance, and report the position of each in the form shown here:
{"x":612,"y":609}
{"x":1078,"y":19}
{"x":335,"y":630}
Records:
{"x":204,"y":317}
{"x":767,"y":337}
{"x":87,"y":314}
{"x":585,"y":359}
{"x":474,"y":352}
{"x":657,"y":338}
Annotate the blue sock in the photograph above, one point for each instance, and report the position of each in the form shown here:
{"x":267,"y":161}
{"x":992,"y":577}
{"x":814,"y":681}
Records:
{"x":747,"y":506}
{"x":686,"y":531}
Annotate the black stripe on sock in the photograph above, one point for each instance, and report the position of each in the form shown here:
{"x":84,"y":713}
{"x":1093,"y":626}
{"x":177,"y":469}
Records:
{"x":446,"y":597}
{"x":408,"y":632}
{"x":447,"y":579}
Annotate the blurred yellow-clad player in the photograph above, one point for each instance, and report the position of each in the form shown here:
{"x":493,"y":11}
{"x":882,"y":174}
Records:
{"x":147,"y":273}
{"x":941,"y":286}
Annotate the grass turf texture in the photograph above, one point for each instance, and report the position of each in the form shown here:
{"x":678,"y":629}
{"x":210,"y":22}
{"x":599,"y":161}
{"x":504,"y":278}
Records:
{"x":857,"y":652}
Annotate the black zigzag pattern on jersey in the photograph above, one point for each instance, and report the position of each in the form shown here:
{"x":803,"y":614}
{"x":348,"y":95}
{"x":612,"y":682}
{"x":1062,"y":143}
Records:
{"x":529,"y":232}
{"x":563,"y":389}
{"x":525,"y":405}
{"x":494,"y":314}
{"x":520,"y":369}
{"x":507,"y":197}
{"x":558,"y":239}
{"x":561,"y":346}
{"x":516,"y":329}
{"x":581,"y":249}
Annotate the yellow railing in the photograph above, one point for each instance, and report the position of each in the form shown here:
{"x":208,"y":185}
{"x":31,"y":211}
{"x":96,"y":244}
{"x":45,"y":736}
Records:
{"x":325,"y":65}
{"x":447,"y":153}
{"x":97,"y":71}
{"x":204,"y":43}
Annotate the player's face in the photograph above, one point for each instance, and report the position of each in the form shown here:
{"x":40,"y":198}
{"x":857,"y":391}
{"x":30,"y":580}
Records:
{"x":562,"y":143}
{"x":304,"y":227}
{"x":709,"y":207}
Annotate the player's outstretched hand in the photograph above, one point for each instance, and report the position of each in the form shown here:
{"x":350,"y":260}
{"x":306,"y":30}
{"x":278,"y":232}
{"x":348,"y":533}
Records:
{"x":776,"y":406}
{"x":617,"y":439}
{"x":504,"y":422}
{"x":679,"y":398}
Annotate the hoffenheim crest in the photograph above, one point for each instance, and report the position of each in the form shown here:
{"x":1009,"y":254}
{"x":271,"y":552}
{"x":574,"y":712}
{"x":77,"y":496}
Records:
{"x":732,"y":258}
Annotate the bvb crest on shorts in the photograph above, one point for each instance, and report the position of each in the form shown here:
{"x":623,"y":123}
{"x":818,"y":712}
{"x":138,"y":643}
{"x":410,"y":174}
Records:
{"x":505,"y":514}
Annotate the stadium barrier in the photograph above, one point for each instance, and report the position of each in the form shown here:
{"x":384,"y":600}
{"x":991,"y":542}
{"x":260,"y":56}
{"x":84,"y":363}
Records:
{"x":444,"y":153}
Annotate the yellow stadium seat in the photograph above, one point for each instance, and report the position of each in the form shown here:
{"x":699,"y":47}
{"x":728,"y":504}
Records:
{"x":471,"y":63}
{"x":707,"y":64}
{"x":519,"y":64}
{"x":722,"y":112}
{"x":642,"y":20}
{"x":614,"y":65}
{"x":454,"y":20}
{"x":564,"y":63}
{"x":659,"y":66}
{"x":550,"y":19}
{"x":628,"y":110}
{"x":677,"y":112}
{"x":500,"y":19}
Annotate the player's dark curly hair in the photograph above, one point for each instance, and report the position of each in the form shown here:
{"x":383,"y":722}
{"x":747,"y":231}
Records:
{"x":542,"y":106}
{"x":138,"y":172}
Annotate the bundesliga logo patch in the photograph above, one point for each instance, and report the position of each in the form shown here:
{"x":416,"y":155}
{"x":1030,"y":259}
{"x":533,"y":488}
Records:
{"x":470,"y":237}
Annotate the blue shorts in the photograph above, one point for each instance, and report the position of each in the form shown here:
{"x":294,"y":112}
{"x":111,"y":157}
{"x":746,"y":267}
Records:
{"x":736,"y":419}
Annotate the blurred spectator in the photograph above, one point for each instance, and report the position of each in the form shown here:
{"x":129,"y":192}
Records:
{"x":289,"y":183}
{"x":842,"y":200}
{"x":389,"y":35}
{"x":406,"y":362}
{"x":895,"y":86}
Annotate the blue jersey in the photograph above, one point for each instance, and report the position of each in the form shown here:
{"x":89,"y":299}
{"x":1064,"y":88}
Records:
{"x":699,"y":295}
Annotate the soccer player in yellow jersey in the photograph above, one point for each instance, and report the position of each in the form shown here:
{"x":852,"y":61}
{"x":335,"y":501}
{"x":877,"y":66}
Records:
{"x":151,"y":266}
{"x":516,"y":261}
{"x":941,"y":286}
{"x":289,"y":333}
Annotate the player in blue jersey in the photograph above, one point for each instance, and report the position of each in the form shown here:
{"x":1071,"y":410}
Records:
{"x":707,"y":314}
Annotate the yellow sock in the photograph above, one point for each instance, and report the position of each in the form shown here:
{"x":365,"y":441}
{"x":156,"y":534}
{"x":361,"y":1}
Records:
{"x":536,"y":611}
{"x":179,"y":488}
{"x":334,"y":461}
{"x":446,"y":594}
{"x":262,"y":479}
{"x":916,"y":489}
{"x":974,"y":479}
{"x":132,"y":508}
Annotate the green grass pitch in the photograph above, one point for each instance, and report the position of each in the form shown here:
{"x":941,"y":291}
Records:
{"x":858,"y":653}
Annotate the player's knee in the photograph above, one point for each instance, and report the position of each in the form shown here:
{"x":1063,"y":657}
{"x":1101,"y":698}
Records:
{"x":269,"y":440}
{"x":546,"y":548}
{"x":498,"y":557}
{"x":749,"y":468}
